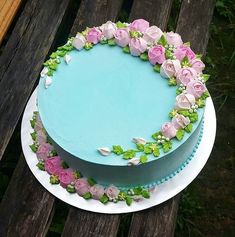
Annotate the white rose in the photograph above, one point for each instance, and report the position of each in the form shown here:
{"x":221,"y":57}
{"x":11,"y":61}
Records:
{"x":169,"y":68}
{"x":79,"y":41}
{"x":184,"y":101}
{"x":152,"y":34}
{"x":179,"y":121}
{"x":108,"y":29}
{"x":174,"y":39}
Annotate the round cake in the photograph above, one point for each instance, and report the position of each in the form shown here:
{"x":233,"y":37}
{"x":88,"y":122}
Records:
{"x":120,"y":110}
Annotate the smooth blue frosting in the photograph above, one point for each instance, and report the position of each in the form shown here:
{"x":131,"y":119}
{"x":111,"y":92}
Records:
{"x":103,"y":98}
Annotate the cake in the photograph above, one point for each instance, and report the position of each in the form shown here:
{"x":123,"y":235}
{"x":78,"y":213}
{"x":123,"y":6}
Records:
{"x":120,"y":111}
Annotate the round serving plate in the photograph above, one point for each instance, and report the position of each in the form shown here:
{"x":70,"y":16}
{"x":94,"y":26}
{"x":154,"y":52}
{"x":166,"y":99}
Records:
{"x":163,"y":192}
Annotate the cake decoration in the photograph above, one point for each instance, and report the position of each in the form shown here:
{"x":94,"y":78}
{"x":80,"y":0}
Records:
{"x":48,"y":81}
{"x":67,"y":58}
{"x":104,"y":151}
{"x":170,"y":57}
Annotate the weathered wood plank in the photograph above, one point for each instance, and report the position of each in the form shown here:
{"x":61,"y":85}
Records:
{"x":8,"y":9}
{"x":83,"y":223}
{"x":79,"y":222}
{"x":156,"y":221}
{"x":194,"y":21}
{"x":22,"y":58}
{"x":26,"y":208}
{"x":157,"y":12}
{"x":95,"y":12}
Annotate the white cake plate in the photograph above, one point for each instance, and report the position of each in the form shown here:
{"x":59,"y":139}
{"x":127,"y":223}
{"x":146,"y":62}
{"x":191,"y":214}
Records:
{"x":163,"y":191}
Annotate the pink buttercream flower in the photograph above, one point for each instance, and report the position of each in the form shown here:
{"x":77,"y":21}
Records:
{"x":43,"y":151}
{"x":157,"y":54}
{"x":179,"y":121}
{"x":184,"y":101}
{"x":41,"y":137}
{"x":174,"y":39}
{"x":168,"y":130}
{"x":53,"y":165}
{"x":94,"y":35}
{"x":137,"y":46}
{"x":186,"y":75}
{"x":122,"y":37}
{"x":82,"y":186}
{"x":66,"y":177}
{"x":169,"y":68}
{"x":108,"y":29}
{"x":97,"y":191}
{"x":197,"y":65}
{"x":112,"y":192}
{"x":152,"y":34}
{"x":38,"y":126}
{"x":139,"y":25}
{"x":184,"y":51}
{"x":196,"y":88}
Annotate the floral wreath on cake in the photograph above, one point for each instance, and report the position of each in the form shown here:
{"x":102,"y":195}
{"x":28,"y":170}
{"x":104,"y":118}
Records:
{"x":170,"y":57}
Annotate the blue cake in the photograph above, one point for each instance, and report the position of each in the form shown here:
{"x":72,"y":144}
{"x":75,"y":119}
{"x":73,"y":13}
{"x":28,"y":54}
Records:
{"x":120,"y":110}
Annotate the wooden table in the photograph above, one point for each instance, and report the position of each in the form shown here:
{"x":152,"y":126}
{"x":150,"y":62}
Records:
{"x":27,"y":208}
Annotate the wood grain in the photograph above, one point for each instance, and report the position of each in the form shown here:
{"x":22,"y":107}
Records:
{"x":22,"y":58}
{"x":26,"y":208}
{"x":194,"y":21}
{"x":95,"y":12}
{"x":8,"y":9}
{"x":157,"y":12}
{"x":83,"y":223}
{"x":157,"y":221}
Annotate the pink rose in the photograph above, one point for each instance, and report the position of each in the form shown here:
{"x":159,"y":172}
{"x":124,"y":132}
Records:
{"x":38,"y":126}
{"x":53,"y":165}
{"x":174,"y":39}
{"x":139,"y":25}
{"x":168,"y":130}
{"x":93,"y":35}
{"x":184,"y":51}
{"x":179,"y":121}
{"x":152,"y":34}
{"x":169,"y":68}
{"x":196,"y":88}
{"x":122,"y":37}
{"x":112,"y":192}
{"x":157,"y":54}
{"x":41,"y":137}
{"x":82,"y":186}
{"x":186,"y":75}
{"x":43,"y":151}
{"x":108,"y":29}
{"x":184,"y":101}
{"x":197,"y":65}
{"x":79,"y":41}
{"x":137,"y":46}
{"x":66,"y":177}
{"x":97,"y":191}
{"x":38,"y":117}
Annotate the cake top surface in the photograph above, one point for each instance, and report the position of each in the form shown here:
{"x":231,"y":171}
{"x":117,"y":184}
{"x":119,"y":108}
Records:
{"x":104,"y":97}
